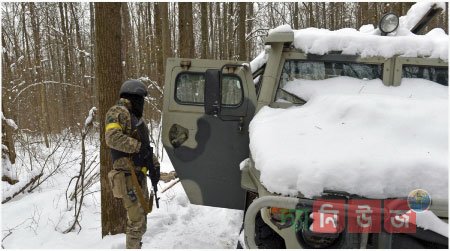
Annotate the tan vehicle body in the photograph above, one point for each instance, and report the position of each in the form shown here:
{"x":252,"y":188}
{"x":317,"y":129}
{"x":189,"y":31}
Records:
{"x":206,"y":153}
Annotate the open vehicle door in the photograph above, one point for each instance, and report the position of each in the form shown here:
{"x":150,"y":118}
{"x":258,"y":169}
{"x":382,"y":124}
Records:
{"x":208,"y":105}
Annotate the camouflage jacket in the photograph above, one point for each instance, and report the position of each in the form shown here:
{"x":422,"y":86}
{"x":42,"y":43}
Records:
{"x":118,"y":134}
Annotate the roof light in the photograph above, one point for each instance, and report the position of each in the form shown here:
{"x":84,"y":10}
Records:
{"x":388,"y":23}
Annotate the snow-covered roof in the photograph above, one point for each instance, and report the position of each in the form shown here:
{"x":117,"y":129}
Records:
{"x":367,"y":41}
{"x":356,"y":136}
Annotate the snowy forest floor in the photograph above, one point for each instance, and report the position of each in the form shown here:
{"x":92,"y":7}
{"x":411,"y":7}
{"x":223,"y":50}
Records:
{"x":38,"y":219}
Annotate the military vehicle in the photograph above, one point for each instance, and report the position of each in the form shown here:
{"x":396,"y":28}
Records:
{"x":208,"y":105}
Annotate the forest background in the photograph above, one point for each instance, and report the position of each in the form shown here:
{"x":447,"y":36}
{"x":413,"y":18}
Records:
{"x":50,"y":53}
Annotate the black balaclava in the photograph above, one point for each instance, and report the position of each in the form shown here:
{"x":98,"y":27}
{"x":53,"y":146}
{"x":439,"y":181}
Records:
{"x":137,"y":103}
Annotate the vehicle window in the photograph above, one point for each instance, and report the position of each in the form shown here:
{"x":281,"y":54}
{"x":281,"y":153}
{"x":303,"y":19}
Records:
{"x":257,"y":79}
{"x":319,"y":70}
{"x":190,"y":86}
{"x":432,"y":73}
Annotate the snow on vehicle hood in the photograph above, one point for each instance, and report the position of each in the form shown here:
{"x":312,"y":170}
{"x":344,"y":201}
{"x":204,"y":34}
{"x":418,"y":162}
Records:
{"x":364,"y":138}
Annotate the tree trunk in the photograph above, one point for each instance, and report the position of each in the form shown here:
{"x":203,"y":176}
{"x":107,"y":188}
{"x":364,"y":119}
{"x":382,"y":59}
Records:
{"x":127,"y":43}
{"x":158,"y":43}
{"x":167,"y":50}
{"x":241,"y":31}
{"x":230,"y":40}
{"x":250,"y":21}
{"x":204,"y":30}
{"x":332,"y":16}
{"x":295,"y":16}
{"x":186,"y":31}
{"x":109,"y":77}
{"x":212,"y":38}
{"x":38,"y":73}
{"x":7,"y":138}
{"x":81,"y":55}
{"x":224,"y":47}
{"x":92,"y":82}
{"x":67,"y":70}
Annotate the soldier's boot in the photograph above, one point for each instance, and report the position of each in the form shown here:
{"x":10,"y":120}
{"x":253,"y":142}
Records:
{"x":136,"y":223}
{"x":133,"y":243}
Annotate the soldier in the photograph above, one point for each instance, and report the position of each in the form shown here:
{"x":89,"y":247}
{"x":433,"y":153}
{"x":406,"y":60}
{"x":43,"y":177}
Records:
{"x":127,"y":136}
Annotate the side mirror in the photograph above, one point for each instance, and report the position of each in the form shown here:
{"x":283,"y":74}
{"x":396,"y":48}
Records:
{"x":213,"y":99}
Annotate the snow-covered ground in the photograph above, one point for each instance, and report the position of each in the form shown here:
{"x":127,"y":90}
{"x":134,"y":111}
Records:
{"x":37,"y":220}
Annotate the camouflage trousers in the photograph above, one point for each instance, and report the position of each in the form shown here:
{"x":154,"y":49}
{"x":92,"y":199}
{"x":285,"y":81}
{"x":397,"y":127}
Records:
{"x":136,"y":218}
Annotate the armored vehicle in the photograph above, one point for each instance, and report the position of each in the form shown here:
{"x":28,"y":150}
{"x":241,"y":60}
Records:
{"x":208,"y":106}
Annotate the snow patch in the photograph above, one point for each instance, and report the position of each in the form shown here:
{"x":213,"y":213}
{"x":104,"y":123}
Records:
{"x":428,"y":220}
{"x":90,"y":117}
{"x":281,"y":28}
{"x":244,"y":163}
{"x":9,"y":122}
{"x":260,"y":60}
{"x":379,"y":142}
{"x":416,"y":12}
{"x":353,"y":42}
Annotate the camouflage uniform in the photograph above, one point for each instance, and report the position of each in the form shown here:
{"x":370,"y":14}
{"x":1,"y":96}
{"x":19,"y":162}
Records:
{"x":118,"y":136}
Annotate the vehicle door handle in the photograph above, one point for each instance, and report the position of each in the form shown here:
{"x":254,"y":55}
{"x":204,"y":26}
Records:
{"x":241,"y":124}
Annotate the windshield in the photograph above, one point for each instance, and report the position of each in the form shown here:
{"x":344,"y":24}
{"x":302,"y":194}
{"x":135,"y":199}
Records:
{"x":320,"y":70}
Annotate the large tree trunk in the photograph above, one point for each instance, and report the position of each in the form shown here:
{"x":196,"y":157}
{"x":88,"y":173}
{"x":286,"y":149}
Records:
{"x":109,"y":76}
{"x":186,"y":30}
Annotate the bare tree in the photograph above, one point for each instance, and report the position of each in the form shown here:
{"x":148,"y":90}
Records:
{"x":109,"y":77}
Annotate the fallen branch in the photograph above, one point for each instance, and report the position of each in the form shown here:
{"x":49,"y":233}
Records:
{"x":31,"y":182}
{"x":171,"y":184}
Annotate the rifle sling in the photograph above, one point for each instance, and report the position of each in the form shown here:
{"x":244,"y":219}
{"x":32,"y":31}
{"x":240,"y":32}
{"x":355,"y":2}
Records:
{"x":139,"y":193}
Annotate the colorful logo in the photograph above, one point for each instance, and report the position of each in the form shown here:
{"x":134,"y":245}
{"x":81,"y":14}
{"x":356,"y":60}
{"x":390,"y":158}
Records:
{"x":419,"y":200}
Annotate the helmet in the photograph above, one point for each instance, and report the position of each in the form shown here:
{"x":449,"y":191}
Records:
{"x":134,"y":87}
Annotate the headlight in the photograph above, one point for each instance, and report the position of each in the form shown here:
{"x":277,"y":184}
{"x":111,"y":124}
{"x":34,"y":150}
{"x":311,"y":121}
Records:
{"x":282,"y":217}
{"x":310,"y":239}
{"x":388,"y":23}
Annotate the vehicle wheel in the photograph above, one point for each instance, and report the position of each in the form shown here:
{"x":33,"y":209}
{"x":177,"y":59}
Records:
{"x":265,"y":237}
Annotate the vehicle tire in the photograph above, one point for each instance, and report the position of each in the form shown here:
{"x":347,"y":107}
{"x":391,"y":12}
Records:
{"x":265,"y":237}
